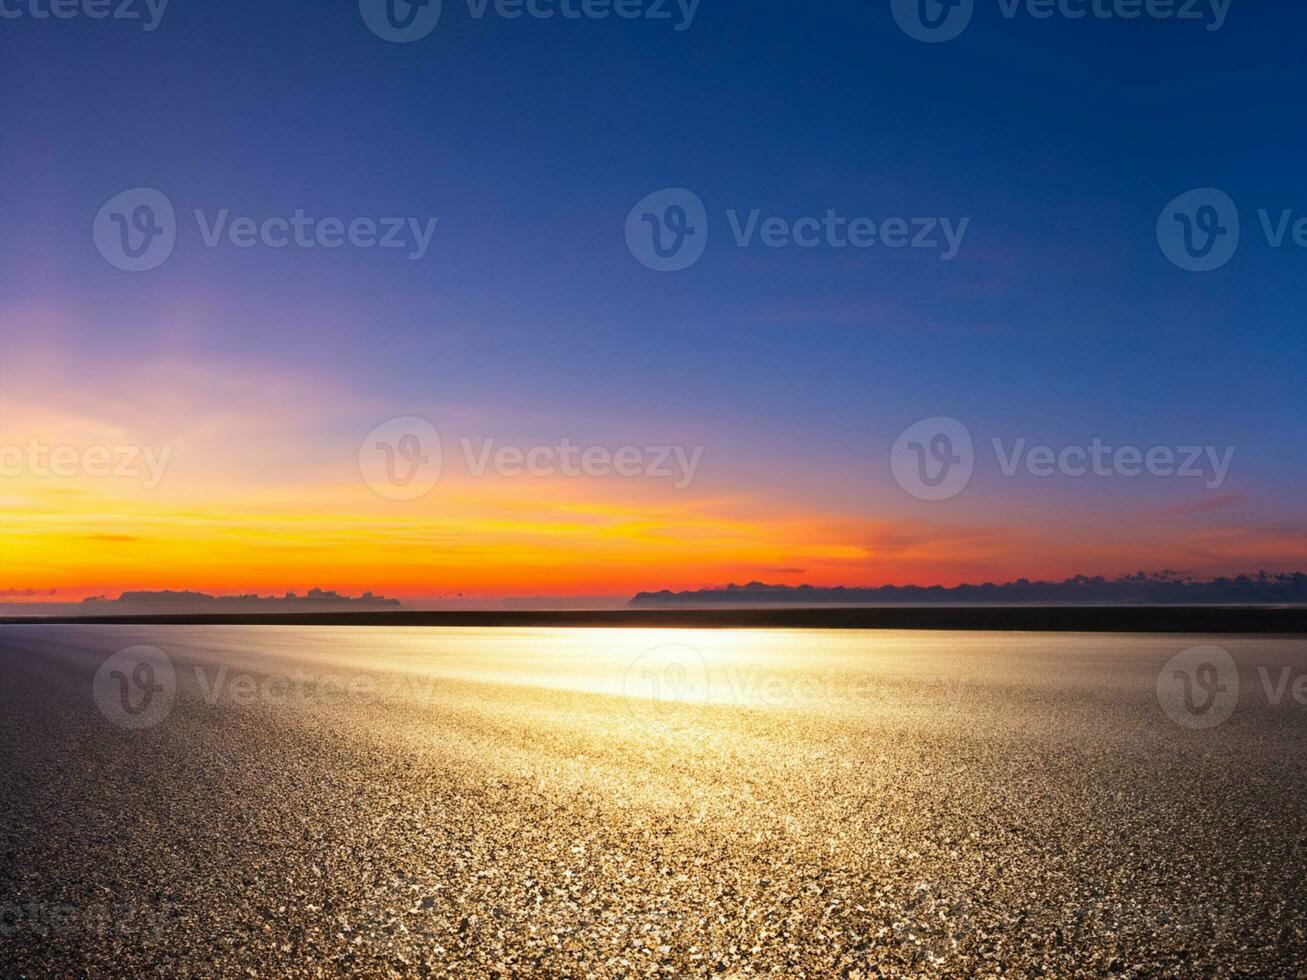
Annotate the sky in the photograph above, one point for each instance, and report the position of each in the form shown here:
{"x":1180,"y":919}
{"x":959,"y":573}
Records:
{"x":794,"y":379}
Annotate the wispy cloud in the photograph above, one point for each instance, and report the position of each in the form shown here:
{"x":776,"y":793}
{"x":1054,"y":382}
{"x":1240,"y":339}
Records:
{"x":1207,"y":505}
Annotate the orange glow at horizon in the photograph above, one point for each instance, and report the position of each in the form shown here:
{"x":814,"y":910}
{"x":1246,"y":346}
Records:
{"x":256,"y":497}
{"x":504,"y":544}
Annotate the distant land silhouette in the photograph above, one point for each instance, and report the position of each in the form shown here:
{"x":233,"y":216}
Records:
{"x":1161,"y":602}
{"x":1142,"y":588}
{"x":314,"y":599}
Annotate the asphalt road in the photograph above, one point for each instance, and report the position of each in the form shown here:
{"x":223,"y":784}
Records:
{"x":264,"y":801}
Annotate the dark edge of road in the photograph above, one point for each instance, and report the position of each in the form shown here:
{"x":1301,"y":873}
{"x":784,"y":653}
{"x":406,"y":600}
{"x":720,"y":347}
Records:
{"x":1061,"y":619}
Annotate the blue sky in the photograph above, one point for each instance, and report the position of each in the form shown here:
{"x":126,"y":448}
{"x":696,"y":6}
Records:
{"x":1059,"y":319}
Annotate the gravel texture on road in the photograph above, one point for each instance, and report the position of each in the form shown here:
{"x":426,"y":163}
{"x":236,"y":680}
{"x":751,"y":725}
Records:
{"x":516,"y":803}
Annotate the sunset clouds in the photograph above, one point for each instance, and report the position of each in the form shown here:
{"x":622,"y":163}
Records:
{"x":204,"y":423}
